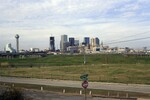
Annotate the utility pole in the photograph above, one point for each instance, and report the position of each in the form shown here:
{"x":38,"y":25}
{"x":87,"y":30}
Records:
{"x":84,"y":55}
{"x":85,"y":93}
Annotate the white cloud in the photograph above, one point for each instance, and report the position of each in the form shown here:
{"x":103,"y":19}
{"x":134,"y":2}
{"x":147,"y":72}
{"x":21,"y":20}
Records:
{"x":145,"y":14}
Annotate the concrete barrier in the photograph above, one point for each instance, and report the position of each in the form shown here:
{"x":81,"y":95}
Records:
{"x":41,"y":88}
{"x":64,"y":91}
{"x":80,"y":92}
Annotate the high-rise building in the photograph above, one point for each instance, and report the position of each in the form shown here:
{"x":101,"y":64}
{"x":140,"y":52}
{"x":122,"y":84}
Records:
{"x":76,"y":42}
{"x":52,"y":43}
{"x":71,"y":41}
{"x":86,"y":41}
{"x":64,"y":38}
{"x":95,"y":42}
{"x":64,"y":43}
{"x":92,"y":42}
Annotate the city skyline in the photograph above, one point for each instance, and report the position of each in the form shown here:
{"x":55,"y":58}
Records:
{"x":36,"y":20}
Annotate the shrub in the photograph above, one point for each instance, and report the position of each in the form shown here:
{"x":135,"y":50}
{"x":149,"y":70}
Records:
{"x":4,"y":64}
{"x":11,"y":94}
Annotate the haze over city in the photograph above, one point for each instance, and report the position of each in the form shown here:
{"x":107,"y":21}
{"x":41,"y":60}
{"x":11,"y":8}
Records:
{"x":36,"y":20}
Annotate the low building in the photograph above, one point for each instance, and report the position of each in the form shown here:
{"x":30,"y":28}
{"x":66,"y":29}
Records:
{"x":73,"y":49}
{"x":9,"y":48}
{"x":96,"y":50}
{"x":34,"y":50}
{"x":121,"y":50}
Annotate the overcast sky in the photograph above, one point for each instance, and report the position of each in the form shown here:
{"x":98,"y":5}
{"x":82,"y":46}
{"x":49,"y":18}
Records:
{"x":36,"y":20}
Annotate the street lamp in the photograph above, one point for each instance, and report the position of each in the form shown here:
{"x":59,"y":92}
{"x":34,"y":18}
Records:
{"x":84,"y":54}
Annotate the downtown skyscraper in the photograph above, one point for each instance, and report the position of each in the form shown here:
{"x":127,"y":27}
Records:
{"x":64,"y":43}
{"x":71,"y":41}
{"x":86,"y":41}
{"x":95,"y":42}
{"x":52,"y":43}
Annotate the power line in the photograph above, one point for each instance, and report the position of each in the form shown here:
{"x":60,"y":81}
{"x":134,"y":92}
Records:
{"x":129,"y":36}
{"x":129,"y":40}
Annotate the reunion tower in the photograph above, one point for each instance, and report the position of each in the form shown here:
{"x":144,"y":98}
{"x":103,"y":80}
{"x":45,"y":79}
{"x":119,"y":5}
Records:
{"x":17,"y":43}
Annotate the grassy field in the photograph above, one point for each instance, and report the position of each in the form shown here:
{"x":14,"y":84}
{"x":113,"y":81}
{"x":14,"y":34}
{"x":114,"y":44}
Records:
{"x":122,"y":73}
{"x":102,"y":68}
{"x":62,"y":60}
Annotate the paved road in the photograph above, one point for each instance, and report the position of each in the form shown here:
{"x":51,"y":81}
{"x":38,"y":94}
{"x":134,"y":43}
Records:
{"x":92,"y":85}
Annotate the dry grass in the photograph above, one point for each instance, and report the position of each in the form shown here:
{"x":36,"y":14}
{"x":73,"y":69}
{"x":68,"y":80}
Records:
{"x":122,"y":73}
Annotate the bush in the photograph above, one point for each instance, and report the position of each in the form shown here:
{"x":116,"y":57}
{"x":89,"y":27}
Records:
{"x":11,"y":94}
{"x":4,"y":64}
